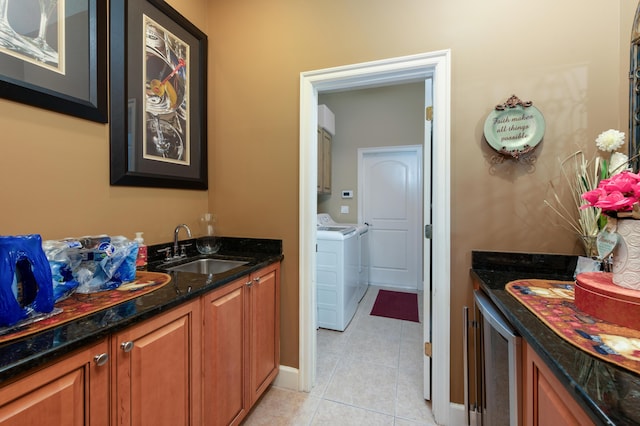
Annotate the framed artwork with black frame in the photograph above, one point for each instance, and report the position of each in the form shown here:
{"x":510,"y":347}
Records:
{"x":158,"y":127}
{"x":53,"y":55}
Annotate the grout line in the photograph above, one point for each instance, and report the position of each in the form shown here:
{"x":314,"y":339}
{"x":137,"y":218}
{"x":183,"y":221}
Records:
{"x":339,"y":348}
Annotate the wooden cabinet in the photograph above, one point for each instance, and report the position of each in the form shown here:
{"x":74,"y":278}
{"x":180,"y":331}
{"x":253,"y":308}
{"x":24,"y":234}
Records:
{"x":264,"y":323}
{"x":73,"y":391}
{"x":156,"y":374}
{"x":204,"y":362}
{"x":241,"y":344}
{"x":546,"y":401}
{"x":324,"y":161}
{"x":225,"y":343}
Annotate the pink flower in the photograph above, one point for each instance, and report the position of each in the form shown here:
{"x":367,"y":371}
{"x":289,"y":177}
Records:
{"x":616,"y":194}
{"x":615,"y":201}
{"x":622,"y":182}
{"x":592,"y":197}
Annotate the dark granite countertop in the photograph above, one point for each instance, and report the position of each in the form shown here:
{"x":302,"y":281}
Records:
{"x":21,"y":355}
{"x":610,"y":395}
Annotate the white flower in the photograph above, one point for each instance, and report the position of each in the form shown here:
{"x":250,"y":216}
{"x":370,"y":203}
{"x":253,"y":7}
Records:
{"x":610,"y":140}
{"x":618,"y":163}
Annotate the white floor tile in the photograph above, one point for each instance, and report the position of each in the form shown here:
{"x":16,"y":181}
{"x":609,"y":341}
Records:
{"x":370,"y":374}
{"x":383,"y":349}
{"x":364,"y":385}
{"x":410,"y":402}
{"x":325,"y":366}
{"x":283,"y":407}
{"x":336,"y":414}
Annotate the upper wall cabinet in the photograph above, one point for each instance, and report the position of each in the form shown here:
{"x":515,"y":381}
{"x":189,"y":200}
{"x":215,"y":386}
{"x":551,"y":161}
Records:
{"x":324,"y":161}
{"x":326,"y":130}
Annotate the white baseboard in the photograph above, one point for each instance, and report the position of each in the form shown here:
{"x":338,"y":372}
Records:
{"x":287,"y":378}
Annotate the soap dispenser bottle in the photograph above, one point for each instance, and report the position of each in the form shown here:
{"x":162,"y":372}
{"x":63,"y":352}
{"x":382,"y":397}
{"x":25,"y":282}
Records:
{"x":141,"y":260}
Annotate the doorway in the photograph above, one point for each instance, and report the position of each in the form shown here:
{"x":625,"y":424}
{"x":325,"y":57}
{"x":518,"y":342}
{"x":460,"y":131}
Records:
{"x":371,"y":74}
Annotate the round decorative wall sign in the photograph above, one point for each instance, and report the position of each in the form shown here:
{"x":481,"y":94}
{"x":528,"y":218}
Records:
{"x":514,"y":128}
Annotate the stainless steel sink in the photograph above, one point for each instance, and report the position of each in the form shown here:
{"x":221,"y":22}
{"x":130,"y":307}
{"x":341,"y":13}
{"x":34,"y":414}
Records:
{"x":208,"y":266}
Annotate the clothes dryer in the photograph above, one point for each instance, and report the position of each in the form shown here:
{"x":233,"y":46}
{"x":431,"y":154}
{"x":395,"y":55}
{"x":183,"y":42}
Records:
{"x":337,"y":294}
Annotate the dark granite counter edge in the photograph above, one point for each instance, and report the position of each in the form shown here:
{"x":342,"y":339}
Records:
{"x":26,"y":354}
{"x":493,"y":270}
{"x":533,"y":339}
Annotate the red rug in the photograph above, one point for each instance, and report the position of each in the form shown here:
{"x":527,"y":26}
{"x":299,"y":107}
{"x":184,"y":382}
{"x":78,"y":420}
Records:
{"x":395,"y":304}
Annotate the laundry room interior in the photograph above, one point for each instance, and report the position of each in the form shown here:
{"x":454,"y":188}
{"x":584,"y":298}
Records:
{"x":359,"y":121}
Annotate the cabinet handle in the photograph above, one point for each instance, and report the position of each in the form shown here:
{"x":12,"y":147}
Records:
{"x":249,"y":283}
{"x":101,"y":359}
{"x":257,"y":280}
{"x":127,"y":346}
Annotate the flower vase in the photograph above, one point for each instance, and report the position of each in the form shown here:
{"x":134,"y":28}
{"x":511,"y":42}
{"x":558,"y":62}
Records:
{"x":626,"y":255}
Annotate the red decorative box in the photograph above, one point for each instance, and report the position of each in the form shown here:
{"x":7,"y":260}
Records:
{"x":598,"y":296}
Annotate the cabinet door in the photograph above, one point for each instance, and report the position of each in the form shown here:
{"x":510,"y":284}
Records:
{"x":225,"y":342}
{"x":547,"y":402}
{"x":320,"y":161}
{"x":326,"y":162}
{"x":265,"y":328}
{"x":157,"y":370}
{"x":73,"y":391}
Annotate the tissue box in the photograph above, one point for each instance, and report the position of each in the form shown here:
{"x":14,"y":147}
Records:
{"x":326,"y":119}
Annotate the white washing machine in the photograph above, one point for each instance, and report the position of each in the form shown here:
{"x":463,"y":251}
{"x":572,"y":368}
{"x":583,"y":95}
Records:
{"x":341,"y":272}
{"x":324,"y":219}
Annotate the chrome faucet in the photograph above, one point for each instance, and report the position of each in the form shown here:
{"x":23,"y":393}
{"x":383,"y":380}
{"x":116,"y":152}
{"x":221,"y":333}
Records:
{"x":175,"y":238}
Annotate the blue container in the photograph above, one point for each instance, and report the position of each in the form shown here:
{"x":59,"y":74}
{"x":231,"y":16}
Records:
{"x":26,"y":286}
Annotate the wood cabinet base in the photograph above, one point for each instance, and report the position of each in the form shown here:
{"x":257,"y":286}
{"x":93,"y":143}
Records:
{"x":241,"y":340}
{"x":204,"y":362}
{"x":546,"y":401}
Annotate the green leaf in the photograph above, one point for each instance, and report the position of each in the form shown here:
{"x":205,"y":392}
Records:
{"x":604,"y":171}
{"x":602,"y":221}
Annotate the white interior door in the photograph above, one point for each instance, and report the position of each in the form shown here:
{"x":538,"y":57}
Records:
{"x":390,"y":188}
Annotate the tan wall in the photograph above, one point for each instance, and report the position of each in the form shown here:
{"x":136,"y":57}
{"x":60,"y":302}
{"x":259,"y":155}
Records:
{"x":567,"y":57}
{"x":54,"y":171}
{"x":564,"y":56}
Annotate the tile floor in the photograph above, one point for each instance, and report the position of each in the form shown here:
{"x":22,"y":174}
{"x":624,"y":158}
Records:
{"x":370,"y":374}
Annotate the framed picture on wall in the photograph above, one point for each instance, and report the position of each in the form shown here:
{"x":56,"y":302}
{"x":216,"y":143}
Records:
{"x":158,"y":130}
{"x":53,"y":55}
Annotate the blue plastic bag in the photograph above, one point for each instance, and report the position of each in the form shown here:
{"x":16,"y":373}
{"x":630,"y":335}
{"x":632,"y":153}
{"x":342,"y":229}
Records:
{"x":91,"y":264}
{"x":25,"y":279}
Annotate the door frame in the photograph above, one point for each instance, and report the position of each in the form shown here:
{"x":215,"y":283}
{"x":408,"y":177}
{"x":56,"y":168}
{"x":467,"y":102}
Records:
{"x":371,"y":74}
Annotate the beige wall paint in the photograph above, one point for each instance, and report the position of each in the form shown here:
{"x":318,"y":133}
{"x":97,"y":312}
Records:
{"x":365,"y":118}
{"x":564,"y":56}
{"x":54,"y":169}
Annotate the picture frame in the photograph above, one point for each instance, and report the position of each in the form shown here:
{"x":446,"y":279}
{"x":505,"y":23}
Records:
{"x":60,"y":65}
{"x":158,"y":92}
